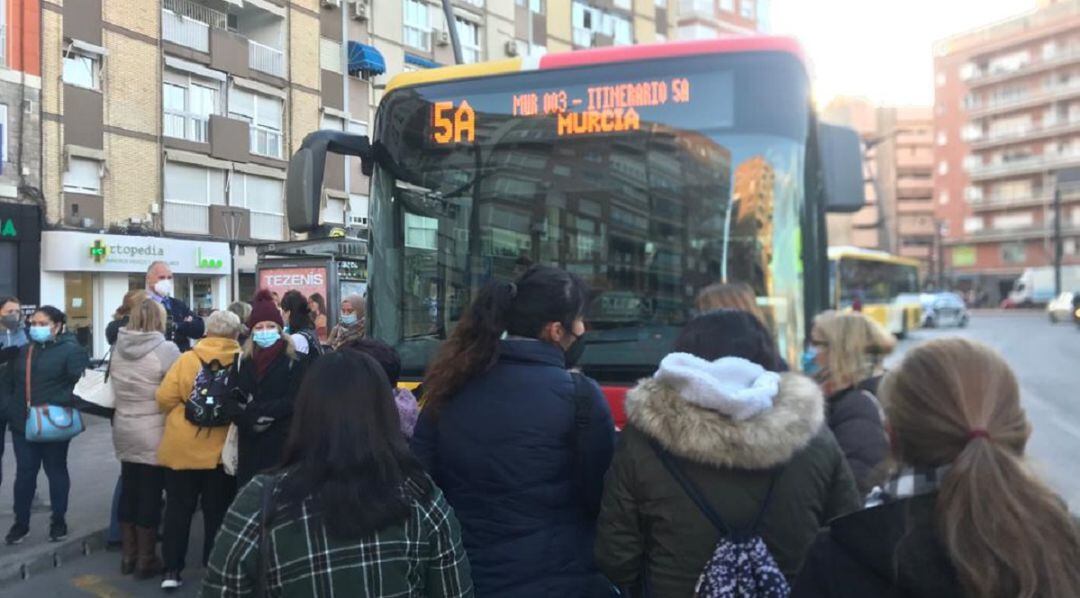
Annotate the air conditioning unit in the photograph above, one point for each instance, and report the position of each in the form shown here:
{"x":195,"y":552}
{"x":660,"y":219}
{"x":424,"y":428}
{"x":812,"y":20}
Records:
{"x":332,"y":3}
{"x":511,"y":48}
{"x":360,"y":10}
{"x":443,"y":38}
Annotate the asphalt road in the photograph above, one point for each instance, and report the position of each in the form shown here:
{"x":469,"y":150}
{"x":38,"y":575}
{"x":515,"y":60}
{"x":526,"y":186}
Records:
{"x":1046,"y":358}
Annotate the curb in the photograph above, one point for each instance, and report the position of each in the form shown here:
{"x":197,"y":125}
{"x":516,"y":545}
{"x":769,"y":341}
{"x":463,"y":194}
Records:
{"x":15,"y":569}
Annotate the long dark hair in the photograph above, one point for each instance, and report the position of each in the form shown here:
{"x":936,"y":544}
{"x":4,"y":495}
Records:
{"x":729,"y":333}
{"x":300,"y":317}
{"x":543,"y":294}
{"x":346,"y":453}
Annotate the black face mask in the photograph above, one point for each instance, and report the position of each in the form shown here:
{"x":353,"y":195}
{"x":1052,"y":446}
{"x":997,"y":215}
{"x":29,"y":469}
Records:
{"x":10,"y":322}
{"x":574,"y":352}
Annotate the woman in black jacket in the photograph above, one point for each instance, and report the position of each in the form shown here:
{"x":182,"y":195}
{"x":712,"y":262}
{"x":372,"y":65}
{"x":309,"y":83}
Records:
{"x":55,"y":362}
{"x":964,"y":515}
{"x":847,"y":350}
{"x":519,"y":445}
{"x":269,"y":379}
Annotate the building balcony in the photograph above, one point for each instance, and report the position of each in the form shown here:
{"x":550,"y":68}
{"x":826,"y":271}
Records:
{"x":1029,"y":165}
{"x":994,"y":204}
{"x":183,"y":30}
{"x":265,"y":59}
{"x":1026,"y":233}
{"x":1049,"y":129}
{"x":907,"y":206}
{"x":1025,"y":100}
{"x":980,"y":78}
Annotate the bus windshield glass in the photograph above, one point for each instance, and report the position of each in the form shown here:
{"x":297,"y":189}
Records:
{"x":650,"y":180}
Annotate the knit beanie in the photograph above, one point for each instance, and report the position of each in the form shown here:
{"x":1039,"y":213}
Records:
{"x":263,"y":309}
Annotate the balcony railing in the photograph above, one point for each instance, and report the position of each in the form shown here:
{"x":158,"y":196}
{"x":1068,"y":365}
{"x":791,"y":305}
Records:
{"x":1028,"y":165}
{"x":1047,"y":93}
{"x":1026,"y":133}
{"x":184,"y":217}
{"x":987,"y":77}
{"x":198,"y":12}
{"x":185,"y":31}
{"x":265,"y":59}
{"x":3,"y":44}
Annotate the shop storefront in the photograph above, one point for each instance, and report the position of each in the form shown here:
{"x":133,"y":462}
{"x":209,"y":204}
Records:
{"x":87,"y":274}
{"x":20,"y":252}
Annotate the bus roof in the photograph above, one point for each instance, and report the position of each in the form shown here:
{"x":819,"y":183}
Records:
{"x":839,"y":252}
{"x":755,"y":43}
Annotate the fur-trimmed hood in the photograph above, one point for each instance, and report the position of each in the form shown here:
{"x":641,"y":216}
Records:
{"x":767,"y":439}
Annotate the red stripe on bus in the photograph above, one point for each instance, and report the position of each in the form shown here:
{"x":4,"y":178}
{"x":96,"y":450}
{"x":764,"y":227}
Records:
{"x":756,"y":43}
{"x":616,"y":398}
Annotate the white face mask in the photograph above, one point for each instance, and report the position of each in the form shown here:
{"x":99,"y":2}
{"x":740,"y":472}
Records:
{"x":163,"y":288}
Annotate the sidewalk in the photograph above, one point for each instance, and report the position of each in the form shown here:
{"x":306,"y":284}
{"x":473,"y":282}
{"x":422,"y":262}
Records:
{"x":94,"y":469}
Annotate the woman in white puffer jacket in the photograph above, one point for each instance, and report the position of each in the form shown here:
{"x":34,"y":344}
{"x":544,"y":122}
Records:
{"x":140,"y":360}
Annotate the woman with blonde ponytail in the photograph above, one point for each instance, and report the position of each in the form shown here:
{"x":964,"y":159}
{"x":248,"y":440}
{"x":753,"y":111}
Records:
{"x":963,"y":515}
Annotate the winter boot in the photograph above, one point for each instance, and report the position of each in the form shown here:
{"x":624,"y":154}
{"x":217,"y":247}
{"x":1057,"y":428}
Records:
{"x":128,"y":548}
{"x":149,"y":563}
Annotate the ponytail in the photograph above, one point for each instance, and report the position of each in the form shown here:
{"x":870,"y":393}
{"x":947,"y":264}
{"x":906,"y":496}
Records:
{"x":473,"y":346}
{"x":956,"y":402}
{"x":1005,"y":531}
{"x":543,"y":294}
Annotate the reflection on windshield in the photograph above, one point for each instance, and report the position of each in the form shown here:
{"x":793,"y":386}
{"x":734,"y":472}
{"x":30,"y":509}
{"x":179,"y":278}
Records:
{"x":647,"y":218}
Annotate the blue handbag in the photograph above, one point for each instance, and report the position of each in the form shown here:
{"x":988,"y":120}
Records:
{"x":53,"y":423}
{"x":49,"y":423}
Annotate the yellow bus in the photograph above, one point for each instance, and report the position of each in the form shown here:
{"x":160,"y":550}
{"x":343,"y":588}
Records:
{"x":883,"y":286}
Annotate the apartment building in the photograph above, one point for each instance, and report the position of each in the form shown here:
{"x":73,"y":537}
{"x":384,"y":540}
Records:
{"x":20,"y":149}
{"x":1007,"y":120}
{"x":899,"y":212}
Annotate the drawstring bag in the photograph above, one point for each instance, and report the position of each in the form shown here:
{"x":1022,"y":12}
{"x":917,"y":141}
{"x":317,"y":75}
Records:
{"x":49,"y":423}
{"x":741,"y":565}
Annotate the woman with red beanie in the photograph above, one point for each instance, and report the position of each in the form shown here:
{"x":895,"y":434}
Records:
{"x":270,"y":375}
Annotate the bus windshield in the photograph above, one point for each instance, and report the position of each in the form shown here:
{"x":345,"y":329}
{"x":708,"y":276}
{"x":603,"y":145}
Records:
{"x":650,"y":180}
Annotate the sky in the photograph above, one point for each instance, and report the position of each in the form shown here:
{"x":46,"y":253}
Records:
{"x":880,"y":49}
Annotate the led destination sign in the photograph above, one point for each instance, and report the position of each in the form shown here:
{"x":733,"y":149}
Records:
{"x":587,"y":109}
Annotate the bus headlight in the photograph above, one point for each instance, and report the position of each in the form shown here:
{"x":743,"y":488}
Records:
{"x":1077,"y":313}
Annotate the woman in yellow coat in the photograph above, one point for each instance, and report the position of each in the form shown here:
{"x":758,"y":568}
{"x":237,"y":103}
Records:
{"x":193,"y":454}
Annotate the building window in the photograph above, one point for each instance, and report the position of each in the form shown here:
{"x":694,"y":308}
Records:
{"x":943,"y":168}
{"x":332,"y":123}
{"x":728,"y":5}
{"x":590,"y":22}
{"x":1068,"y":246}
{"x":358,"y":210}
{"x":536,"y":6}
{"x":4,"y":128}
{"x":81,"y":70}
{"x":1014,"y":221}
{"x":83,"y":176}
{"x":696,"y":31}
{"x":421,"y":232}
{"x":330,"y":55}
{"x":417,"y":24}
{"x":943,"y":198}
{"x":264,"y":115}
{"x":661,"y":3}
{"x":187,"y":104}
{"x":940,"y":79}
{"x":469,"y":36}
{"x":973,"y":224}
{"x":265,"y":199}
{"x":189,"y":193}
{"x":1013,"y":253}
{"x":748,"y":9}
{"x":334,"y":212}
{"x":942,"y":138}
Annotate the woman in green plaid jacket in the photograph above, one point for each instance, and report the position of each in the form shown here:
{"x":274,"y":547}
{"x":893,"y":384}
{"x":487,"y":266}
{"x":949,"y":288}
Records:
{"x":352,"y":512}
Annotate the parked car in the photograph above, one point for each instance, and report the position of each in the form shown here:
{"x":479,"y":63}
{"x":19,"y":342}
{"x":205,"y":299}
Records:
{"x":943,"y":309}
{"x":1061,"y":308}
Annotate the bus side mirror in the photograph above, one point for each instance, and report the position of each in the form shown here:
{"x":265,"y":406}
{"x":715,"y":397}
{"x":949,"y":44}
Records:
{"x":303,"y":184}
{"x":842,"y":168}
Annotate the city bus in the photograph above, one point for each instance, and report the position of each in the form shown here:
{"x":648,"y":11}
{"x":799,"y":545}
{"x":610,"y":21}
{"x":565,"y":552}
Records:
{"x":877,"y":283}
{"x":650,"y":171}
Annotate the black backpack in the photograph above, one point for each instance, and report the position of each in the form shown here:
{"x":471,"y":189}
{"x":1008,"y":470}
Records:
{"x":206,"y":407}
{"x":315,"y":348}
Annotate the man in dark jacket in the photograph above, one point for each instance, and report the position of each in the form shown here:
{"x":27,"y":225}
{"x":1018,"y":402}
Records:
{"x":12,"y":338}
{"x":183,"y":325}
{"x":856,"y":420}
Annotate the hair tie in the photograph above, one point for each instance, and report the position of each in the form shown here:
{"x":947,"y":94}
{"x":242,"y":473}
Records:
{"x":978,"y":433}
{"x":513,"y":290}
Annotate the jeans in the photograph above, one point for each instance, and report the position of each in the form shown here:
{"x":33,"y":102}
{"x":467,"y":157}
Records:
{"x":30,"y":457}
{"x":212,"y":489}
{"x":140,"y":494}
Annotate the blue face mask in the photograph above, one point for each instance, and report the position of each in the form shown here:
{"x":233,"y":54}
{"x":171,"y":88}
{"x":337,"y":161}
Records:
{"x":41,"y":334}
{"x":266,"y":338}
{"x":810,"y":365}
{"x":348,"y":319}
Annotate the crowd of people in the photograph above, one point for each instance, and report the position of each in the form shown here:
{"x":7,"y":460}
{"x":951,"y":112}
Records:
{"x":318,"y":475}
